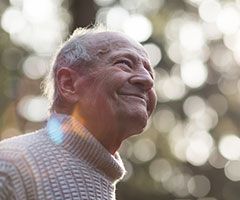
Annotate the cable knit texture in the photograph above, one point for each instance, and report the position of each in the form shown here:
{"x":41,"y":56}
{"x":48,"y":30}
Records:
{"x":63,"y":161}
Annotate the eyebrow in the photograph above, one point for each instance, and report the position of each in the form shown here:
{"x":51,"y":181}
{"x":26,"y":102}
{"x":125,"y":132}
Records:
{"x":135,"y":57}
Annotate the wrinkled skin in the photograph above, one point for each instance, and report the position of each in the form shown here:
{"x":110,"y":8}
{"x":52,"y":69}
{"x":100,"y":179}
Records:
{"x":116,"y":96}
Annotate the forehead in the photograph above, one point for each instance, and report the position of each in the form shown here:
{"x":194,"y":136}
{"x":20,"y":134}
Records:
{"x":113,"y":42}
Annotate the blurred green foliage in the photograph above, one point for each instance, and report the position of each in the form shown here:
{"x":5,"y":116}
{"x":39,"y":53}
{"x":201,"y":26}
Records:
{"x":156,"y":170}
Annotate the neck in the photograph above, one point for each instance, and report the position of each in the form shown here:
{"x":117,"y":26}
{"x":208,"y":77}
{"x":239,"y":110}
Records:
{"x":108,"y":137}
{"x":66,"y":132}
{"x":105,"y":134}
{"x":109,"y":140}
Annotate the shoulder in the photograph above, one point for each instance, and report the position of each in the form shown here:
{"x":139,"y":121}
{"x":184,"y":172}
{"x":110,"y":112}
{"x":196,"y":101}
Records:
{"x":16,"y":164}
{"x":17,"y":149}
{"x":22,"y":141}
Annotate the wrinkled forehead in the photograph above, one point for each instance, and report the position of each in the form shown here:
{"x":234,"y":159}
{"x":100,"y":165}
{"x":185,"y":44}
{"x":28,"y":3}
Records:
{"x":106,"y":42}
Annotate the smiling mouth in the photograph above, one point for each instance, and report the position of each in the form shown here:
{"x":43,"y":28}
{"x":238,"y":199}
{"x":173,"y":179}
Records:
{"x":135,"y":96}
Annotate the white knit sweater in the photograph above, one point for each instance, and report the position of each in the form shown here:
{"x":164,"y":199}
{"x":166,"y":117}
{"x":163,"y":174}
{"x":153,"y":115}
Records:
{"x":63,"y":161}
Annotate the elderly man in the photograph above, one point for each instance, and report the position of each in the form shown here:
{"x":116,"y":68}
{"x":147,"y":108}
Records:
{"x":102,"y":93}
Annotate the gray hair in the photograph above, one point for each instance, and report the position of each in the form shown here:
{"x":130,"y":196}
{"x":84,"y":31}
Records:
{"x":72,"y":53}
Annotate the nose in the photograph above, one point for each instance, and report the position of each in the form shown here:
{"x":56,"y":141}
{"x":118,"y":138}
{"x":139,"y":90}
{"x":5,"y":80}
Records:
{"x":142,"y":79}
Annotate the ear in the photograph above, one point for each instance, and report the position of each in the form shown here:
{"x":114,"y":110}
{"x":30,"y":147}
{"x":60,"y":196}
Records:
{"x":66,"y":81}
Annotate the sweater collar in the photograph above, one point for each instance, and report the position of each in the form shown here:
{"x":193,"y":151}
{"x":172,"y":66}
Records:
{"x":67,"y":132}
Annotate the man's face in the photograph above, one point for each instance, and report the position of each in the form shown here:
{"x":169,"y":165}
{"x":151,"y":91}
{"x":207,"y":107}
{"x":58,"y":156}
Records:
{"x":117,"y":94}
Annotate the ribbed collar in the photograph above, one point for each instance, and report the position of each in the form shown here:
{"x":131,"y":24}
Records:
{"x":66,"y":131}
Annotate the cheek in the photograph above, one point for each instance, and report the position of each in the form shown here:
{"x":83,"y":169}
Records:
{"x":152,"y":101}
{"x":104,"y":101}
{"x":109,"y":81}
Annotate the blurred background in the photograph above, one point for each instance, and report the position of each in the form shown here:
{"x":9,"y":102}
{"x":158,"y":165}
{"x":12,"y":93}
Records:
{"x":191,"y":147}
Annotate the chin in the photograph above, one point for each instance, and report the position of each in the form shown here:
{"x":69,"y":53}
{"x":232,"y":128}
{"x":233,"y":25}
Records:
{"x":134,"y":122}
{"x":138,"y":125}
{"x":135,"y":132}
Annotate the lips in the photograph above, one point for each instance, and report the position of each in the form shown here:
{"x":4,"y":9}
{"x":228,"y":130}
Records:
{"x":140,"y":96}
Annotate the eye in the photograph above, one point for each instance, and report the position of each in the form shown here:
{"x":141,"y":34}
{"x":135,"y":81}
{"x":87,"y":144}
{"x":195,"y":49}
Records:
{"x":125,"y":63}
{"x":149,"y":69}
{"x":151,"y":74}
